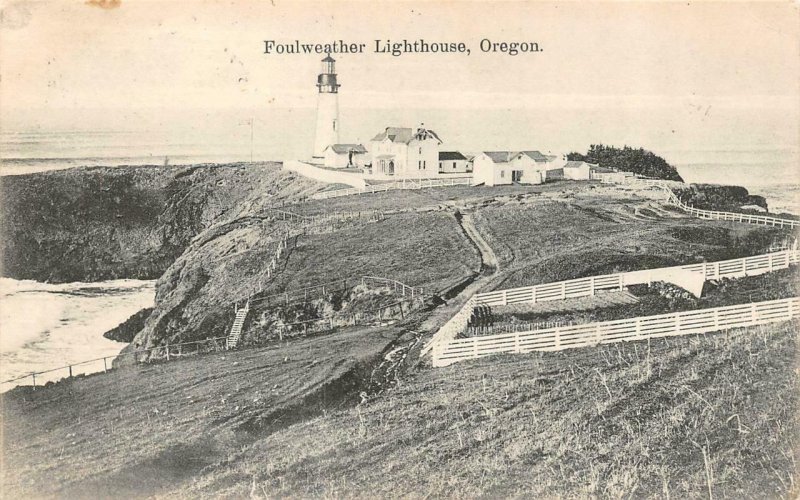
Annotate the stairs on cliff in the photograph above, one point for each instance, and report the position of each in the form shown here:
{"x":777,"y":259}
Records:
{"x":236,"y":330}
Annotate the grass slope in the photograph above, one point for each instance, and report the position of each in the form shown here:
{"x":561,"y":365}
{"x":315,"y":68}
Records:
{"x":544,"y":241}
{"x":142,"y":430}
{"x":669,"y":419}
{"x":195,"y":296}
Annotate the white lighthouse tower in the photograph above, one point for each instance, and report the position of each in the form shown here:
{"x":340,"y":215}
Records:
{"x":327,"y":108}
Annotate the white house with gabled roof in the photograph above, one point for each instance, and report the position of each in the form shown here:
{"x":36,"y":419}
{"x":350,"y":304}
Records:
{"x":399,"y":152}
{"x":494,"y":168}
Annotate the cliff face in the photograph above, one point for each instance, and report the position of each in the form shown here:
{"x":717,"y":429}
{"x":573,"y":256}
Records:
{"x":92,"y":224}
{"x":718,"y":197}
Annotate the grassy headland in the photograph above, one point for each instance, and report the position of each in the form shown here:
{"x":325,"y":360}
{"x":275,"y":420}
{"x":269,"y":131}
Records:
{"x":670,"y":418}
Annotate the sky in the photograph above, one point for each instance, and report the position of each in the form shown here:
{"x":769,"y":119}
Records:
{"x":675,"y":76}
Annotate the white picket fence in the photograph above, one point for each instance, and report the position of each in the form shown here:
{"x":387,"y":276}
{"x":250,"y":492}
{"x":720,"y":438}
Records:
{"x":584,"y":287}
{"x":730,"y":216}
{"x":394,"y":185}
{"x":606,"y":332}
{"x":454,"y":326}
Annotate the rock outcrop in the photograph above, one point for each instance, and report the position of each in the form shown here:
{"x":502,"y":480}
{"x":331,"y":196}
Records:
{"x":98,"y":223}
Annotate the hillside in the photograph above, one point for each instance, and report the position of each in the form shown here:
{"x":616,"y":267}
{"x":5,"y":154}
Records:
{"x":643,"y":420}
{"x":146,"y":429}
{"x":353,"y":412}
{"x":98,"y":223}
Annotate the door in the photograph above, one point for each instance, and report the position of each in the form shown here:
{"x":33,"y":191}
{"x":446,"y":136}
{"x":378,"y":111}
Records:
{"x":391,"y":168}
{"x":516,"y":175}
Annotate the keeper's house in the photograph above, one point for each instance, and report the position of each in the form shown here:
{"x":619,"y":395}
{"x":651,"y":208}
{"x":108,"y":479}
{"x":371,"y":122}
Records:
{"x":453,"y":162}
{"x":345,"y":155}
{"x":399,"y":152}
{"x":494,"y":168}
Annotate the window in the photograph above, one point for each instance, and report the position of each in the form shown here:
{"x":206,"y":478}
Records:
{"x":420,"y":150}
{"x":334,"y":124}
{"x":502,"y":174}
{"x":454,"y":165}
{"x":419,"y":165}
{"x":423,"y":165}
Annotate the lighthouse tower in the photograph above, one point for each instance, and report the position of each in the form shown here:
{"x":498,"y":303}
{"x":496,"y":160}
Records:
{"x":327,"y":108}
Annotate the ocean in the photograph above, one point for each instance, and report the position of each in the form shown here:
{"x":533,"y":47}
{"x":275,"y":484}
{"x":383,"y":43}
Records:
{"x":44,"y":326}
{"x":64,"y":323}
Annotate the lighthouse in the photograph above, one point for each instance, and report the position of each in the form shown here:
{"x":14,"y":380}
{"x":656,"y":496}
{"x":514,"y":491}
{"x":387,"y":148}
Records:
{"x":327,"y":108}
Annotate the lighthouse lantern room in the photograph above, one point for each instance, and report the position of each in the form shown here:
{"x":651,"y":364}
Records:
{"x":327,"y":132}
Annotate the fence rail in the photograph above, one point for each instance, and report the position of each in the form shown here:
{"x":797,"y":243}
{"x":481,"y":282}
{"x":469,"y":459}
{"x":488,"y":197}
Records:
{"x":164,"y":352}
{"x":583,"y":287}
{"x":606,"y":332}
{"x":473,"y":331}
{"x":453,"y":327}
{"x":730,"y":216}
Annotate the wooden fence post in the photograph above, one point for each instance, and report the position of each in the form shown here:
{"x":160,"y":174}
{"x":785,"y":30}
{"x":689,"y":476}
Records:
{"x":34,"y":380}
{"x":105,"y":365}
{"x":167,"y":348}
{"x":70,"y":371}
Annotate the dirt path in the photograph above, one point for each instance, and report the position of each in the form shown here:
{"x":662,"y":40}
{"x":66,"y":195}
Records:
{"x":490,"y":267}
{"x":489,"y":260}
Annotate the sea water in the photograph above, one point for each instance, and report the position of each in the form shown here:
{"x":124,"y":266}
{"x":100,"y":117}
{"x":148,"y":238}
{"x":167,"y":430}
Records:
{"x":45,"y":326}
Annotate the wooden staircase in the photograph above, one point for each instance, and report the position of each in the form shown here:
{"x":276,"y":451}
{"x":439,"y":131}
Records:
{"x":236,"y":330}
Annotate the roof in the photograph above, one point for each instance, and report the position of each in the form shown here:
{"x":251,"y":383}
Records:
{"x":603,"y":170}
{"x":384,"y":157}
{"x":576,"y":164}
{"x":423,"y":134}
{"x":535,"y":155}
{"x":329,"y":59}
{"x":500,"y":156}
{"x":451,"y":155}
{"x":346,"y":148}
{"x":395,"y":134}
{"x":405,"y":135}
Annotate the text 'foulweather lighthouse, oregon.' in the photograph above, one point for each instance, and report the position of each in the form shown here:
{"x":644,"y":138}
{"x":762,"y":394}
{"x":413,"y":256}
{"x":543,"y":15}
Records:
{"x":327,"y":108}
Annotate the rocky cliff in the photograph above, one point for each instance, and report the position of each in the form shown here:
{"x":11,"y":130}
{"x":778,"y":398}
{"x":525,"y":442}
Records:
{"x":92,"y":224}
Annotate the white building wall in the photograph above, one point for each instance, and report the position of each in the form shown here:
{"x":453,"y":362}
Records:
{"x":578,"y":174}
{"x":446,"y":166}
{"x":335,"y":160}
{"x":485,"y":171}
{"x":423,"y":159}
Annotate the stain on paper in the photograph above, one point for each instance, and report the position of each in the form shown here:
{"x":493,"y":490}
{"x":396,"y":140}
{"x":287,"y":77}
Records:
{"x":104,"y":4}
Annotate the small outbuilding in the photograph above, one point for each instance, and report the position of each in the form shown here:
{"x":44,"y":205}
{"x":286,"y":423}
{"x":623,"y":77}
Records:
{"x":345,"y":155}
{"x":492,"y":168}
{"x":579,"y":170}
{"x":452,"y":162}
